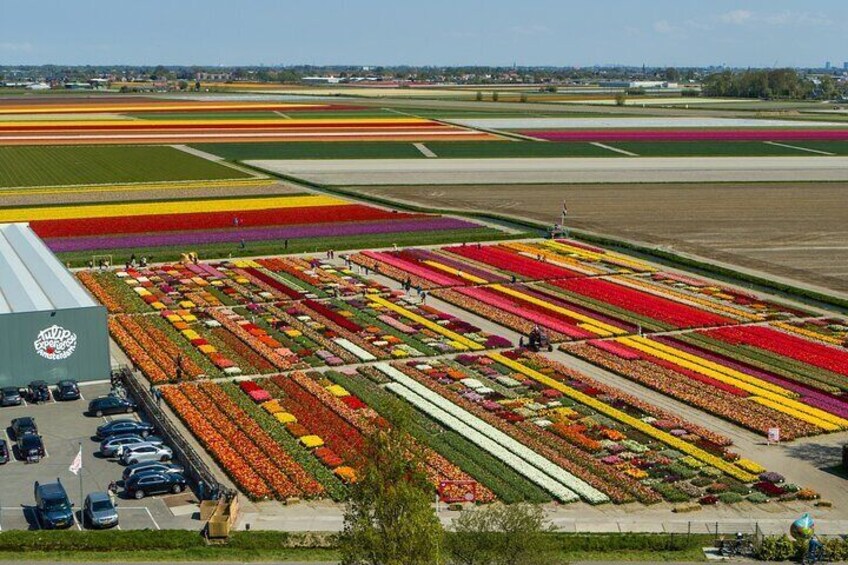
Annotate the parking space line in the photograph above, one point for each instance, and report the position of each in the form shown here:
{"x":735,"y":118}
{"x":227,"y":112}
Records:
{"x":10,"y":446}
{"x":146,"y":509}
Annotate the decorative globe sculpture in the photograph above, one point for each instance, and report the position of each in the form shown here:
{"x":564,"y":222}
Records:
{"x":803,"y":528}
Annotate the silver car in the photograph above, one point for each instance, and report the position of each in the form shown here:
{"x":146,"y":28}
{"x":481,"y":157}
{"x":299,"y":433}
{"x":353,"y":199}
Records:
{"x":132,"y":454}
{"x":111,"y":447}
{"x":98,"y":511}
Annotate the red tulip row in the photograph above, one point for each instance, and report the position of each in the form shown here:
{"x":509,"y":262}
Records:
{"x":833,"y":359}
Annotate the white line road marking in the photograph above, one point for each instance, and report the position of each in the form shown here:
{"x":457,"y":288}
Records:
{"x":283,"y":115}
{"x":615,"y":149}
{"x":424,"y":150}
{"x":152,"y":519}
{"x":807,"y":149}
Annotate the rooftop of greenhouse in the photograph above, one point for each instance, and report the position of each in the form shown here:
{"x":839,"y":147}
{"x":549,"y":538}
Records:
{"x":32,"y":279}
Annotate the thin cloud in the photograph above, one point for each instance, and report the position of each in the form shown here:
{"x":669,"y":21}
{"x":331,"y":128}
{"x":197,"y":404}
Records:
{"x":736,"y":17}
{"x":16,"y":47}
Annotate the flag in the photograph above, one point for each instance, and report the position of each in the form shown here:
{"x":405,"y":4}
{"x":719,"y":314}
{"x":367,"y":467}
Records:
{"x":76,"y":465}
{"x":564,"y":209}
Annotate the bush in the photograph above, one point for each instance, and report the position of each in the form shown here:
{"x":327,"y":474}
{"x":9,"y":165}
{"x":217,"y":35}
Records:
{"x":73,"y":540}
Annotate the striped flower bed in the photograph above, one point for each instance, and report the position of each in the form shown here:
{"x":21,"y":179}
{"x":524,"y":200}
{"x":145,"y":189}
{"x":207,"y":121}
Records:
{"x":613,"y":135}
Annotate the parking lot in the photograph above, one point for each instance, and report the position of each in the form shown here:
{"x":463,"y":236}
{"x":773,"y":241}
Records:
{"x":63,"y":427}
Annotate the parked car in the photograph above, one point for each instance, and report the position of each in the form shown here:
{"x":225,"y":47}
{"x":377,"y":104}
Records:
{"x":110,"y":405}
{"x":111,"y":446}
{"x":119,"y":427}
{"x":52,"y":507}
{"x":31,"y":448}
{"x":144,"y":484}
{"x":151,"y":467}
{"x":132,"y":454}
{"x":98,"y":511}
{"x":38,"y":391}
{"x":4,"y":452}
{"x":10,"y":396}
{"x":24,"y":425}
{"x":67,"y":390}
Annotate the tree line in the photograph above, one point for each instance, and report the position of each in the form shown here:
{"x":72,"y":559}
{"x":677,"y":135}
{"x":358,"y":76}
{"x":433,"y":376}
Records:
{"x":771,"y":84}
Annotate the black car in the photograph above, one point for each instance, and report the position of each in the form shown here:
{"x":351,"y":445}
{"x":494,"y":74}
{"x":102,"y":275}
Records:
{"x":144,"y":484}
{"x":151,"y":467}
{"x":10,"y":396}
{"x":23,"y":426}
{"x":38,"y":391}
{"x":124,"y":426}
{"x":110,"y":405}
{"x":4,"y":452}
{"x":52,"y":507}
{"x":31,"y":448}
{"x":67,"y":390}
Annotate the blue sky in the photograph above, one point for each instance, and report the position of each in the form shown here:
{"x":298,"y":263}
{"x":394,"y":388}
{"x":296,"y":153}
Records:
{"x":437,"y":32}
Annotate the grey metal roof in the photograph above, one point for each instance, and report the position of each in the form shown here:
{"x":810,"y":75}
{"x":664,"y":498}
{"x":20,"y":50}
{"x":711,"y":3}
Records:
{"x":31,"y":278}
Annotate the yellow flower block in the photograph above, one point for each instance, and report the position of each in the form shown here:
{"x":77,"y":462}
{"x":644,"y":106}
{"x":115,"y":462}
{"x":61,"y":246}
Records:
{"x":346,"y":474}
{"x":173,"y":318}
{"x":293,"y":333}
{"x":338,"y":391}
{"x":217,"y":282}
{"x":272,"y":406}
{"x":636,"y":473}
{"x":207,"y":349}
{"x":199,"y":281}
{"x":345,"y":313}
{"x":399,"y":353}
{"x":311,"y":442}
{"x":157,"y":305}
{"x":458,"y":346}
{"x":189,"y":318}
{"x":141,"y":291}
{"x":285,"y":417}
{"x":750,"y":466}
{"x":187,"y":304}
{"x":242,"y":280}
{"x":190,"y":334}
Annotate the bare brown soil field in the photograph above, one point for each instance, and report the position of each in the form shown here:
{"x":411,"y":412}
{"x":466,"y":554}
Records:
{"x":798,"y":231}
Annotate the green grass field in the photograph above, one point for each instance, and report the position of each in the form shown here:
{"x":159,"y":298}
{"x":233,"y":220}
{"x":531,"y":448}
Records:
{"x":22,"y":166}
{"x":400,"y":150}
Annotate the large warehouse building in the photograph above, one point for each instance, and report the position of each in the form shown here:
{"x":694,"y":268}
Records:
{"x":50,"y":327}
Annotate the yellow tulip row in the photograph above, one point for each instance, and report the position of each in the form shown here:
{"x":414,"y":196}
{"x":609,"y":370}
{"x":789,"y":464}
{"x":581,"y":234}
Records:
{"x":682,"y":297}
{"x":157,"y":106}
{"x":137,"y":187}
{"x":820,"y":422}
{"x":455,"y":272}
{"x":222,"y":124}
{"x":705,"y":367}
{"x":599,"y":328}
{"x":554,"y":258}
{"x":453,"y":336}
{"x":807,"y":333}
{"x":763,"y":392}
{"x":624,"y":418}
{"x":163,"y":207}
{"x":608,"y":257}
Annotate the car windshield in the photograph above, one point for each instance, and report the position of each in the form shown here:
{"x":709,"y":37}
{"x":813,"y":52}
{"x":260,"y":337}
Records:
{"x":30,"y":441}
{"x":101,"y":505}
{"x":54,"y":504}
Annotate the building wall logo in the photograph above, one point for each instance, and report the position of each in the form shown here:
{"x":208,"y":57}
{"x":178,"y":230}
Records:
{"x":55,"y":343}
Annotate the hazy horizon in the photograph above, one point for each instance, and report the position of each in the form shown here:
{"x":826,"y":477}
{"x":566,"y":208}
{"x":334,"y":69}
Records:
{"x":682,"y":33}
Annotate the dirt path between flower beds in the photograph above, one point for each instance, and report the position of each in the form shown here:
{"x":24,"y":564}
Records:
{"x":794,"y":231}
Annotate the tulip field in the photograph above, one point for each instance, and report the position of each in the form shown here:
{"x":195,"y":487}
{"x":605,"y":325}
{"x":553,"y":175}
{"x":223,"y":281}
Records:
{"x":319,"y":351}
{"x":221,"y":225}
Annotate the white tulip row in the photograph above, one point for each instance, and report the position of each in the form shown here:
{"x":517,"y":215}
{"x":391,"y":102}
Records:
{"x":553,"y":478}
{"x":354,"y":349}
